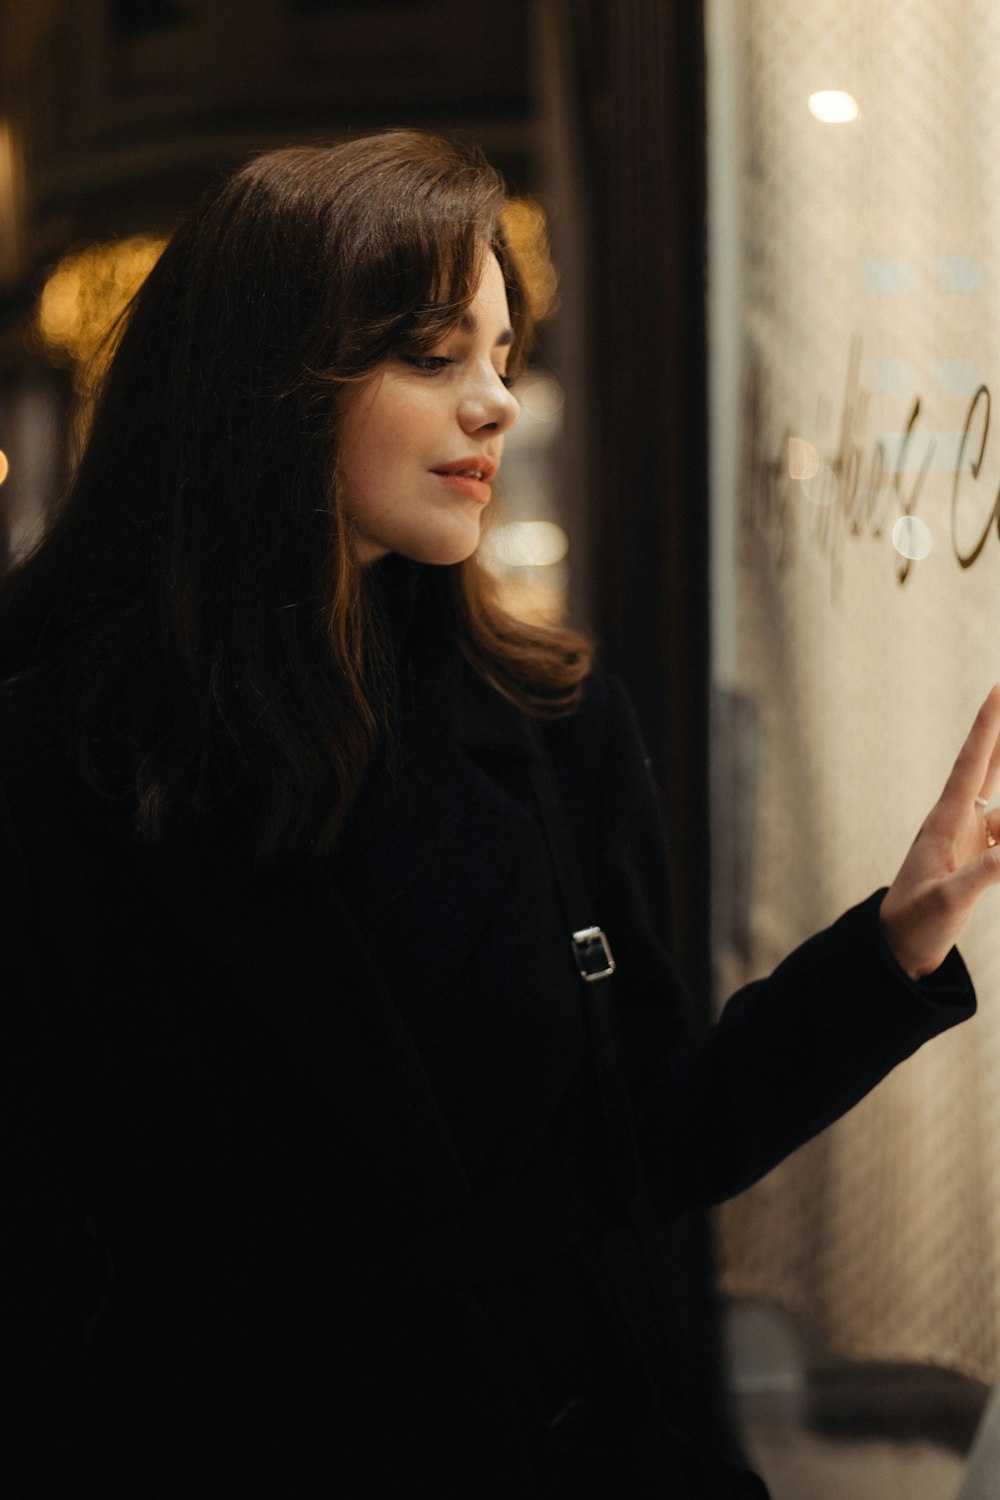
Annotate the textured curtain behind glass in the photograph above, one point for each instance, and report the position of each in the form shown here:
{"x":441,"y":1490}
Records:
{"x":857,"y":625}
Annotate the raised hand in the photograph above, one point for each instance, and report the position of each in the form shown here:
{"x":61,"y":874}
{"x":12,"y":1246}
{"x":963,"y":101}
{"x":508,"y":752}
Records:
{"x":953,"y":859}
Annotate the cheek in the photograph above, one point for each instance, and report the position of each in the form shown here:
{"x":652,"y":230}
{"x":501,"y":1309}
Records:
{"x":385,"y":437}
{"x":407,"y":427}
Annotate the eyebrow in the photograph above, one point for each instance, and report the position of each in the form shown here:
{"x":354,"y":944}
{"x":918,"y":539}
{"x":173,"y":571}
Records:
{"x":468,"y":324}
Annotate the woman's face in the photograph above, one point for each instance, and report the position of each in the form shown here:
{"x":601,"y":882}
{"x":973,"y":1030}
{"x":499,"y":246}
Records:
{"x":421,"y":438}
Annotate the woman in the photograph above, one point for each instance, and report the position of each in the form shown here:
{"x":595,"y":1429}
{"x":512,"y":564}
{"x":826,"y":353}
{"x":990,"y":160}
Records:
{"x":324,"y":1181}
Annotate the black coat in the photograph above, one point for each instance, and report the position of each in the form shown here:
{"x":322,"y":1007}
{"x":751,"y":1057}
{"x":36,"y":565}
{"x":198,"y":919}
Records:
{"x":311,"y":1194}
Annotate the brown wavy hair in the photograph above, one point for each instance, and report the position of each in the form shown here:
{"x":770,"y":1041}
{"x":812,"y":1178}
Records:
{"x":197,"y":584}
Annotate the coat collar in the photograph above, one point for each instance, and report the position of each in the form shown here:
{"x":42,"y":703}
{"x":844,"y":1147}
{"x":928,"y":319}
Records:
{"x":438,"y":828}
{"x":485,"y":723}
{"x":433,"y":669}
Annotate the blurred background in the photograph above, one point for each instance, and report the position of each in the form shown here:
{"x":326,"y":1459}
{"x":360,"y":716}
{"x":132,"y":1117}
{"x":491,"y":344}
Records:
{"x":753,"y":461}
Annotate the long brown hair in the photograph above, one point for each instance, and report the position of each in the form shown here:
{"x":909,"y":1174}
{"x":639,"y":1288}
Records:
{"x":197,"y":583}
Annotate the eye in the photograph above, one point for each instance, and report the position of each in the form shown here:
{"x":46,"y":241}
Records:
{"x":506,"y":380}
{"x":428,"y":364}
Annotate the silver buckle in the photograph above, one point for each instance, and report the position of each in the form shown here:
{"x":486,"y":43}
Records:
{"x":593,"y":954}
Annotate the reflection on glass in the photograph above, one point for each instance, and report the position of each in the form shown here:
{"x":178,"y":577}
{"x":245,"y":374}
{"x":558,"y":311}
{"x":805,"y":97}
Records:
{"x":912,"y":538}
{"x":820,"y":487}
{"x":833,"y":106}
{"x":803,"y":460}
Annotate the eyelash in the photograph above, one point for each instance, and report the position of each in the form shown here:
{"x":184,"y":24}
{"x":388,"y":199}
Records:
{"x":428,"y":364}
{"x":433,"y":364}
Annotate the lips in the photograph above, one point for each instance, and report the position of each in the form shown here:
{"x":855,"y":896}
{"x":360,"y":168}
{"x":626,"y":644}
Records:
{"x":469,"y":477}
{"x":476,"y":467}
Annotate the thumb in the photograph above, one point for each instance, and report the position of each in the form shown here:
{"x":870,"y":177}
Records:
{"x":972,"y":879}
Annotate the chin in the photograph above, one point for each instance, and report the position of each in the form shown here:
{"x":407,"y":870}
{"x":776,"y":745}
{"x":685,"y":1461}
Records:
{"x":443,"y":552}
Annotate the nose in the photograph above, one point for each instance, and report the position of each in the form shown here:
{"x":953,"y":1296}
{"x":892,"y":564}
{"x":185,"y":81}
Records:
{"x":487,"y":405}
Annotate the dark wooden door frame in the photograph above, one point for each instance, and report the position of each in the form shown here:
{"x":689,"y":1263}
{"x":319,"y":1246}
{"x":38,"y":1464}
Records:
{"x":640,"y":76}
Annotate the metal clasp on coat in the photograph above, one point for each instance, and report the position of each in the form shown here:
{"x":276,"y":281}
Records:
{"x":593,"y":954}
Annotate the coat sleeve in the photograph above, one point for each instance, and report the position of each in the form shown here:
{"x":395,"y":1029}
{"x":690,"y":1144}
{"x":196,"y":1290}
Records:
{"x":718,"y":1106}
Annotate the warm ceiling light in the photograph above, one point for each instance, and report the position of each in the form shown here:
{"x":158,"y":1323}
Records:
{"x":88,"y":289}
{"x":4,"y":466}
{"x":80,"y":307}
{"x":833,"y":106}
{"x":526,"y":227}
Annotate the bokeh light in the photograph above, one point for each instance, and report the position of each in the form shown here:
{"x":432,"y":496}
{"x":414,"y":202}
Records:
{"x":833,"y":106}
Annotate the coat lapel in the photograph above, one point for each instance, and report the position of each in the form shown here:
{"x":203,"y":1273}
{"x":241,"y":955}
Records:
{"x":448,"y":876}
{"x":421,"y":976}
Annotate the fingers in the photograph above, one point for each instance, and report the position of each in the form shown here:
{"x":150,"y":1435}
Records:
{"x":977,"y":768}
{"x":992,"y":778}
{"x":970,"y":881}
{"x":992,"y":822}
